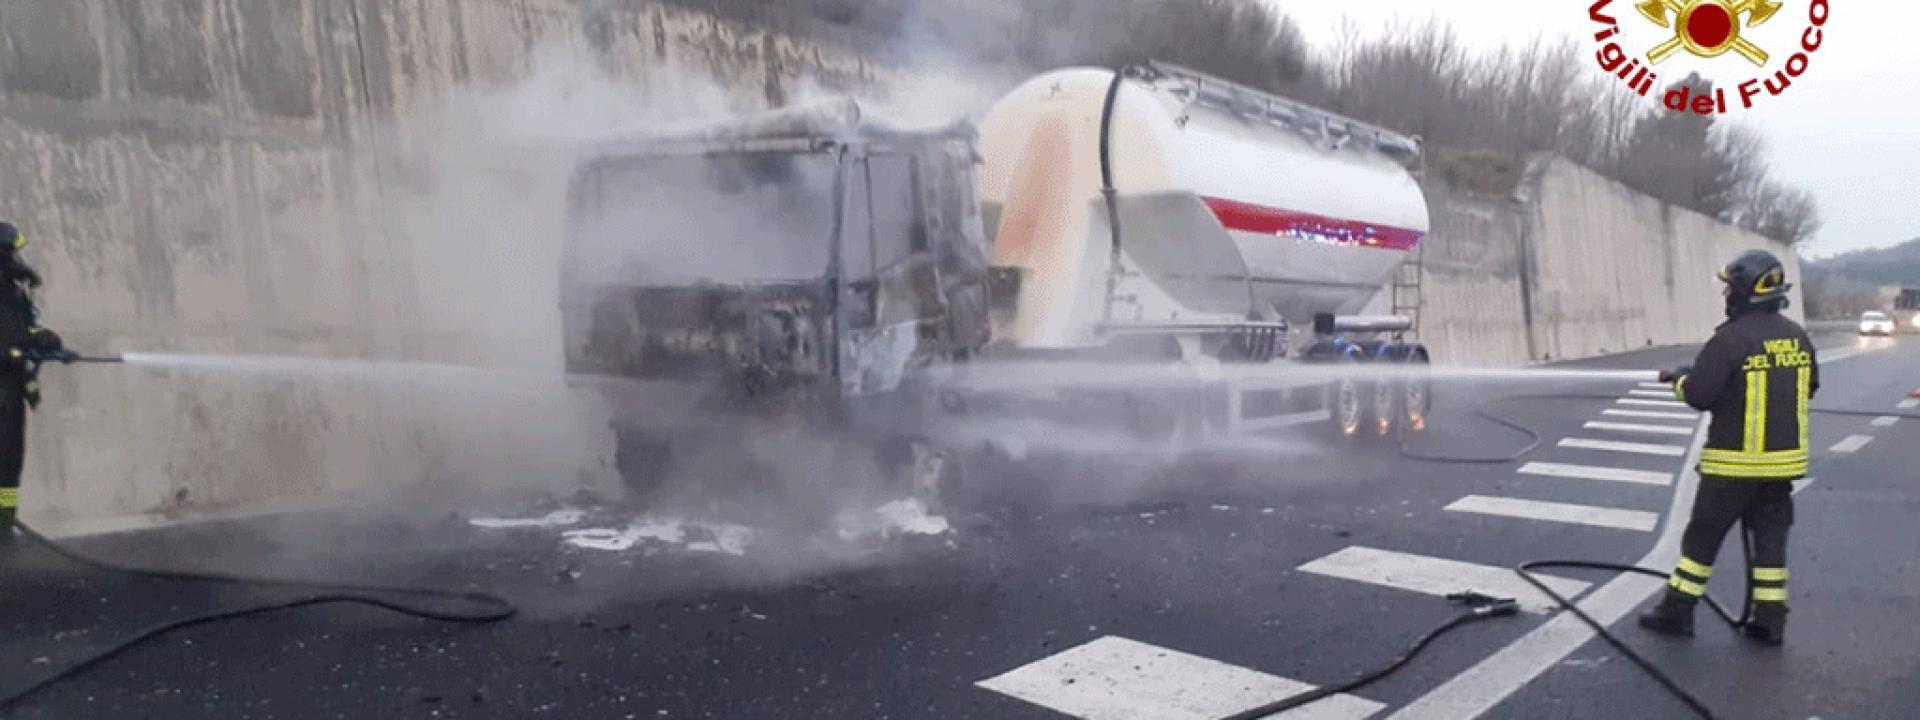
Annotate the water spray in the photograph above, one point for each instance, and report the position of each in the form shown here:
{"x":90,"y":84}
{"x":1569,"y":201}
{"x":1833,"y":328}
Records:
{"x":1042,"y":376}
{"x":92,"y":360}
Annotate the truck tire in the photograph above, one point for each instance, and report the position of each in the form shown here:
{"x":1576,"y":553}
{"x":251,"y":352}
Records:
{"x":1346,"y":398}
{"x":1416,"y":394}
{"x":1385,"y":403}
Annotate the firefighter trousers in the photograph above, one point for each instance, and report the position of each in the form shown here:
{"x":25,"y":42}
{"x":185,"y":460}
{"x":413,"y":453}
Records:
{"x":13,"y":450}
{"x":1766,"y":508}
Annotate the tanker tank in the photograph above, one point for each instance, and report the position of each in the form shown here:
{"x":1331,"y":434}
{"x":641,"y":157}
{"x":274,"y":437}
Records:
{"x":1233,"y":206}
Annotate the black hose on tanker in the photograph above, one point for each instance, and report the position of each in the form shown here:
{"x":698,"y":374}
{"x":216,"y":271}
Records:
{"x":1107,"y":191}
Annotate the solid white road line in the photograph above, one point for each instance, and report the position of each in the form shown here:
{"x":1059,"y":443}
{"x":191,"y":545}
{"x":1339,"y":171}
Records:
{"x":1589,"y":472}
{"x":1651,"y":414}
{"x":1888,"y":421}
{"x":1910,"y":404}
{"x":1852,"y":444}
{"x":1644,"y":429}
{"x":1676,"y":404}
{"x":1600,"y":517}
{"x":1668,"y":394}
{"x":1114,"y":678}
{"x":1625,"y":447}
{"x":1479,"y":689}
{"x":1437,"y":576}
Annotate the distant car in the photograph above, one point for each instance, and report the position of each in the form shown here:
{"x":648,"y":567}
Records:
{"x":1874,"y":322}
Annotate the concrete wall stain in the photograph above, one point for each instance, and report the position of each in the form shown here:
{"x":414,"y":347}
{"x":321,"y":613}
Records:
{"x":169,"y":48}
{"x":277,"y":68}
{"x":51,"y":49}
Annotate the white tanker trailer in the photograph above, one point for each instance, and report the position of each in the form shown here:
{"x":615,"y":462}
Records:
{"x":1159,"y":208}
{"x":812,"y":263}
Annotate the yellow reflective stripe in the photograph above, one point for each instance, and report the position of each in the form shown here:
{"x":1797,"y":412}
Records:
{"x":1742,"y":458}
{"x":1688,"y":586}
{"x":1777,"y":595}
{"x":1680,"y":388}
{"x":1767,"y":574}
{"x":1688,"y":566}
{"x":1742,"y":472}
{"x":1802,"y":395}
{"x":9,"y":497}
{"x":1756,"y":412}
{"x":19,"y":241}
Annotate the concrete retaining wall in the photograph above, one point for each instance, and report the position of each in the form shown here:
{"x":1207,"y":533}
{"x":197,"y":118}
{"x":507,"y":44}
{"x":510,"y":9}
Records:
{"x":382,"y":179}
{"x":289,"y":177}
{"x":1573,"y":265}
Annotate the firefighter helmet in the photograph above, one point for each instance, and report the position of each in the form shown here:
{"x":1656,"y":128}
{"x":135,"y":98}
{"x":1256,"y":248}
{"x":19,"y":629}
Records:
{"x":1757,"y":277}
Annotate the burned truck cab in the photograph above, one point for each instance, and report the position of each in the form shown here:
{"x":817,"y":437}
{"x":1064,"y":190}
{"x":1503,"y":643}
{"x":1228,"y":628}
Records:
{"x":804,"y":267}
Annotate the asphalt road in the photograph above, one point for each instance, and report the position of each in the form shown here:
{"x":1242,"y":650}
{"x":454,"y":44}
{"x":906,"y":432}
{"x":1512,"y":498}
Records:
{"x":1216,"y":589}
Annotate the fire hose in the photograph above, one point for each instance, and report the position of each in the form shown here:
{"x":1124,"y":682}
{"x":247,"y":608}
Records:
{"x":1482,"y":607}
{"x":482,"y":607}
{"x":494,"y":609}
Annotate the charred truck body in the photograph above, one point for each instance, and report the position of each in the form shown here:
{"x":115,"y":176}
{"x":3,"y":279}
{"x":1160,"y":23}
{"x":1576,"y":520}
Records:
{"x":811,"y":262}
{"x":800,"y":269}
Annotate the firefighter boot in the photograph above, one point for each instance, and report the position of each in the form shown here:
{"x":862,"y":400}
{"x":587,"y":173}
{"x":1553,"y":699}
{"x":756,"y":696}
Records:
{"x":1673,"y":616}
{"x":1769,"y":624}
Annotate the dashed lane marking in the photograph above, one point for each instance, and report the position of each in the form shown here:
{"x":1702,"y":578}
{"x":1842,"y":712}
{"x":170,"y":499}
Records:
{"x":1600,"y":517}
{"x":1114,"y":678}
{"x":1651,"y":393}
{"x":1651,"y":414}
{"x":1479,"y":689}
{"x":1625,"y":447}
{"x":1589,"y":472}
{"x":1910,"y":404}
{"x":1675,"y":404}
{"x":1643,"y":429}
{"x":1438,"y":576}
{"x":1852,"y":444}
{"x":1885,"y":422}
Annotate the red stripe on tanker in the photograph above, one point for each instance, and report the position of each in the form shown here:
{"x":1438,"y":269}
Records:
{"x":1262,"y":220}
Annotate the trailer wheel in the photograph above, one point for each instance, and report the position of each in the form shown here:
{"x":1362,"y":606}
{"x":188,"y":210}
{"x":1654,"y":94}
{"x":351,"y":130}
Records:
{"x":1345,"y":398}
{"x":1170,"y":424}
{"x":923,"y":471}
{"x":1417,"y":391}
{"x":1386,"y":407}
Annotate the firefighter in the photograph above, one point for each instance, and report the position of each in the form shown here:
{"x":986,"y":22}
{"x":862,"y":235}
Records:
{"x":26,"y":345}
{"x":1756,"y":376}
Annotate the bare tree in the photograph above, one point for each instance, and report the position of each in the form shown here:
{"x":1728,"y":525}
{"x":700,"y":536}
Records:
{"x":1789,"y":215}
{"x":1487,"y":110}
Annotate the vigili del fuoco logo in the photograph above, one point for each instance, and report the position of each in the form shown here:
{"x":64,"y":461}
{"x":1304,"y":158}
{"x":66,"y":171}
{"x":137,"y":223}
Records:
{"x":1715,"y":37}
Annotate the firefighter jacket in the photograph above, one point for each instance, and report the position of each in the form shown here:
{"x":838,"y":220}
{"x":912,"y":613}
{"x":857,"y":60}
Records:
{"x":1757,"y":376}
{"x":22,"y":340}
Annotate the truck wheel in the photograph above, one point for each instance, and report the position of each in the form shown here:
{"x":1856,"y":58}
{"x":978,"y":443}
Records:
{"x":1169,"y":424}
{"x":1386,"y":405}
{"x":1346,"y":399}
{"x":1417,"y":392}
{"x":643,"y":460}
{"x":922,"y":470}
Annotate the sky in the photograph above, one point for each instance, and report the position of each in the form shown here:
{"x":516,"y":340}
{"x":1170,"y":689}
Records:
{"x":1848,"y":129}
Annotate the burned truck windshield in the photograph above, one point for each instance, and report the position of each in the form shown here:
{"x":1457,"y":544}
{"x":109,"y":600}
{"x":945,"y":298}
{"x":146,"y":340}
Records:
{"x":722,"y":218}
